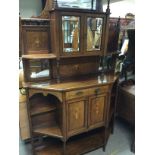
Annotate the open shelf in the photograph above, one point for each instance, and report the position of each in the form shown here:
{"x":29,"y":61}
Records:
{"x":39,"y":56}
{"x":80,"y":144}
{"x":42,"y":108}
{"x":53,"y":131}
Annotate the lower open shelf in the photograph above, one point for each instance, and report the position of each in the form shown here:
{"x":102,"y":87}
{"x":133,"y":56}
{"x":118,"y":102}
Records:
{"x":53,"y":131}
{"x":76,"y":145}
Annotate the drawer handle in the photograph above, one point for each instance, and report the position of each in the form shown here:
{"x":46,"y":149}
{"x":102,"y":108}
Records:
{"x":79,"y":93}
{"x":97,"y":90}
{"x":76,"y":67}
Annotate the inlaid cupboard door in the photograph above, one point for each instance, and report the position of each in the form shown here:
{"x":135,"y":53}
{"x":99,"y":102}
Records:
{"x":97,"y":110}
{"x":77,"y":116}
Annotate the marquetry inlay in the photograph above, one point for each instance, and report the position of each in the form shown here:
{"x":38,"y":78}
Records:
{"x":76,"y":113}
{"x":97,"y":108}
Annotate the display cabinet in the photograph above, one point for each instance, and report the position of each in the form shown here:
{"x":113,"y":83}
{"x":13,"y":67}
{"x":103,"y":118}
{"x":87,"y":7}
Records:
{"x":81,"y":33}
{"x":72,"y":39}
{"x":68,"y":93}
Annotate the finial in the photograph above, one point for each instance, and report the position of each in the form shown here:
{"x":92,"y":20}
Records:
{"x":55,"y":4}
{"x":108,"y":7}
{"x":99,"y":5}
{"x":92,"y":4}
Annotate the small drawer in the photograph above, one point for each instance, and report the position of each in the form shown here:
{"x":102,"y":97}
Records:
{"x":98,"y":90}
{"x":86,"y":92}
{"x":77,"y":93}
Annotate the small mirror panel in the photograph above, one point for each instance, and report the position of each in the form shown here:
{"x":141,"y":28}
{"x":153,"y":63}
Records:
{"x":70,"y":33}
{"x":94,"y":33}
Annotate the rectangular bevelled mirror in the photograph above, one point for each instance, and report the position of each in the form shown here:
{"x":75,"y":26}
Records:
{"x":38,"y":69}
{"x":94,"y":33}
{"x":77,"y":4}
{"x":71,"y":33}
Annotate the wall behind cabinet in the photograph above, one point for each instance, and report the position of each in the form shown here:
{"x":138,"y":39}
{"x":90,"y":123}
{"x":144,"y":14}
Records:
{"x":121,"y":7}
{"x":28,"y":8}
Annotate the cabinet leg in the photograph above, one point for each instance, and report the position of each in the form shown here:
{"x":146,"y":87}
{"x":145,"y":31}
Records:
{"x":103,"y":148}
{"x":40,"y":140}
{"x":64,"y":148}
{"x":112,"y":125}
{"x":133,"y":147}
{"x":33,"y":147}
{"x":112,"y":130}
{"x":104,"y":139}
{"x":133,"y":144}
{"x":36,"y":142}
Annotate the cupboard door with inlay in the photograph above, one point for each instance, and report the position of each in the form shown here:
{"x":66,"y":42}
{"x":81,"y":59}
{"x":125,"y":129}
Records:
{"x":97,"y":110}
{"x":77,"y":116}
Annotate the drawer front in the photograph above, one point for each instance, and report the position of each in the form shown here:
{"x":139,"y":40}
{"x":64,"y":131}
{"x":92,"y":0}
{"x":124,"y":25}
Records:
{"x":86,"y":92}
{"x":72,"y":67}
{"x":77,"y":94}
{"x":98,"y":90}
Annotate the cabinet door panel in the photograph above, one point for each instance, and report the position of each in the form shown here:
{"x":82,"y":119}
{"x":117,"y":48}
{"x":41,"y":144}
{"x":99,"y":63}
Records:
{"x":76,"y":116}
{"x":97,"y":110}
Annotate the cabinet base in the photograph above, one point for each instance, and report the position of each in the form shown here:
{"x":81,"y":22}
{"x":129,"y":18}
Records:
{"x":76,"y":145}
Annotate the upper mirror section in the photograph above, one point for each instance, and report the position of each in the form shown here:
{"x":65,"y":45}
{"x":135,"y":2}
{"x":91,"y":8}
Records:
{"x":94,"y":33}
{"x":77,"y":4}
{"x":70,"y":33}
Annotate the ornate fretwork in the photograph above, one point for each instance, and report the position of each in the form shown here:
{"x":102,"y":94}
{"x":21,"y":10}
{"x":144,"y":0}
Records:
{"x":37,"y":22}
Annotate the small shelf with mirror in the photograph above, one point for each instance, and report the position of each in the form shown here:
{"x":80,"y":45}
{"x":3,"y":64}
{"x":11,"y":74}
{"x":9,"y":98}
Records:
{"x":37,"y":70}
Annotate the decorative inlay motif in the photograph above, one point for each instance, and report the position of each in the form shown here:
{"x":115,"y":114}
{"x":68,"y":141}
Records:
{"x":37,"y":40}
{"x":97,"y":108}
{"x":76,"y":113}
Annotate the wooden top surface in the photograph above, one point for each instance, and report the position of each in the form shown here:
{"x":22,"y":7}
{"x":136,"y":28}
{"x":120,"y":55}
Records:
{"x":39,"y":56}
{"x":80,"y":83}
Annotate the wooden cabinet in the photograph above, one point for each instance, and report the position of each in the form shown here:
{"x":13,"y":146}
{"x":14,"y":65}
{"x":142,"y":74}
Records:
{"x":86,"y":113}
{"x":68,"y":97}
{"x":81,"y":32}
{"x":66,"y":110}
{"x":126,"y":103}
{"x":126,"y":106}
{"x":87,"y":108}
{"x":72,"y":41}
